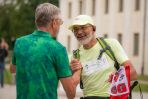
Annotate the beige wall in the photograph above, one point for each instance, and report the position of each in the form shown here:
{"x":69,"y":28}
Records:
{"x":127,"y":22}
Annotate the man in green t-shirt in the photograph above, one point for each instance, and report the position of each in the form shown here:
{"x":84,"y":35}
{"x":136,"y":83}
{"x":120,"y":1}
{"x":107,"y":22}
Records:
{"x":95,"y":73}
{"x":40,"y":61}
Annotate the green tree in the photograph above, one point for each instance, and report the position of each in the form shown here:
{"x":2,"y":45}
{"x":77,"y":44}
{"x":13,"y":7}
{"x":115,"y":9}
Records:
{"x":5,"y":21}
{"x":17,"y":19}
{"x":55,"y":2}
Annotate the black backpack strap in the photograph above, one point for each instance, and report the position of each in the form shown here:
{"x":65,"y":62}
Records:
{"x":135,"y":83}
{"x":108,"y":51}
{"x":76,"y":54}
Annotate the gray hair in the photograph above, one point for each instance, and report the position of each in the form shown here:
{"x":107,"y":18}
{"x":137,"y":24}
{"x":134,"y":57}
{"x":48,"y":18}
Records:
{"x":45,"y":13}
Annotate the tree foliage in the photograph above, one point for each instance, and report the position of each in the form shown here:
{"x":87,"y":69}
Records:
{"x":17,"y":19}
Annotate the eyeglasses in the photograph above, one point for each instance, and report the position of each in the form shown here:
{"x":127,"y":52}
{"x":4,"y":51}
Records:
{"x":78,"y":28}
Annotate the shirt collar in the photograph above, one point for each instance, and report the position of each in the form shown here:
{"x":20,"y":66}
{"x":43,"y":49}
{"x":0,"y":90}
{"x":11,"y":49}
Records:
{"x":41,"y":33}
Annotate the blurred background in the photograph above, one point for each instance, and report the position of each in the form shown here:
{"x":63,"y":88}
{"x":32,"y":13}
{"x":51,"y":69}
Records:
{"x":124,"y":20}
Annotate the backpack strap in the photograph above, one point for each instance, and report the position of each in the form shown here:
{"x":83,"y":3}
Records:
{"x":108,"y":51}
{"x":76,"y":54}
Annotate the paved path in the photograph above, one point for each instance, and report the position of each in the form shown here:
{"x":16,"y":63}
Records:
{"x":9,"y":92}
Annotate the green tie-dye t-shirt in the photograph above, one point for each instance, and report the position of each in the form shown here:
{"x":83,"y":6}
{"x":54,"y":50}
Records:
{"x":40,"y":62}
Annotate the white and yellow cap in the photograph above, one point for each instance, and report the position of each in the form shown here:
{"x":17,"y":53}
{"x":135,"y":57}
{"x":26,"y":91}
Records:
{"x":81,"y":20}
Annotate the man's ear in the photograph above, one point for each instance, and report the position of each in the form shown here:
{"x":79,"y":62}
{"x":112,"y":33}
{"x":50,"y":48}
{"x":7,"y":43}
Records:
{"x":53,"y":23}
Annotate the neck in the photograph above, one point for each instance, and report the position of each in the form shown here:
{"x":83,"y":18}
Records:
{"x":90,"y":44}
{"x":45,"y":29}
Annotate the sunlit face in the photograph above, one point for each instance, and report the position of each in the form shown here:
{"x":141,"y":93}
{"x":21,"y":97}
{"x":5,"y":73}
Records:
{"x":83,"y":33}
{"x":57,"y":23}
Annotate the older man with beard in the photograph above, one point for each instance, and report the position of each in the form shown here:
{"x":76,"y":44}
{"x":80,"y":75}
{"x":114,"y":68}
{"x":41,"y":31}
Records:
{"x":95,"y":73}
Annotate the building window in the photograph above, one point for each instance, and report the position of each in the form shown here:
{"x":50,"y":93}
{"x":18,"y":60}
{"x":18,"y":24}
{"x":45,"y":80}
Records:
{"x":106,"y":6}
{"x":80,"y":7}
{"x":136,"y":44}
{"x":137,"y":5}
{"x":93,"y":6}
{"x":69,"y":10}
{"x":120,"y":38}
{"x":120,"y":5}
{"x":68,"y":43}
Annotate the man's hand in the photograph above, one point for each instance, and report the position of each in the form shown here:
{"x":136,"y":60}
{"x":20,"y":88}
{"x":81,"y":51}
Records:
{"x":110,"y":78}
{"x":133,"y":73}
{"x":75,"y":65}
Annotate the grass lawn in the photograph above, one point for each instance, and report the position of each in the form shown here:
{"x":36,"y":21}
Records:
{"x":7,"y":77}
{"x":144,"y":86}
{"x":143,"y":77}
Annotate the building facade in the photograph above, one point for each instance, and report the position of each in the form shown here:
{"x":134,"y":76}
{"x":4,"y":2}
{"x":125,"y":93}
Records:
{"x":124,"y":20}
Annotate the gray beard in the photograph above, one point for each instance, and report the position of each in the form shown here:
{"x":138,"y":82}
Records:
{"x":87,"y":40}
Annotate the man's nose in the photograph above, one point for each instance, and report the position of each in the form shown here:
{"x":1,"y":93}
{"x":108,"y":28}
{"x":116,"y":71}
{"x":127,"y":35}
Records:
{"x":80,"y":31}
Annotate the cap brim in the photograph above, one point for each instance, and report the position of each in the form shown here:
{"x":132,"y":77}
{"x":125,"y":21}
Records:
{"x":77,"y":23}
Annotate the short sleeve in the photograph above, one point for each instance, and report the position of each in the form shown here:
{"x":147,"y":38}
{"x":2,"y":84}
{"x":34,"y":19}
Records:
{"x":118,"y":50}
{"x":62,"y":63}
